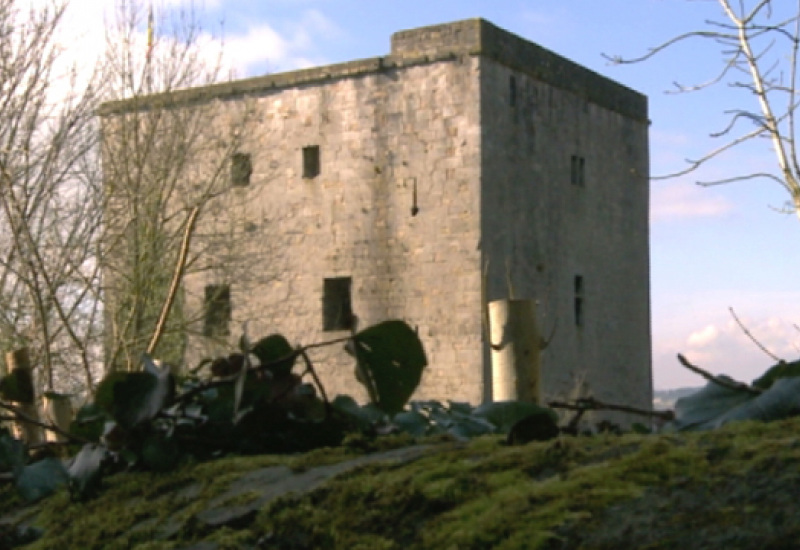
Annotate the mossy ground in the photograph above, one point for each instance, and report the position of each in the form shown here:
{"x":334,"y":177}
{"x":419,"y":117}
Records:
{"x":733,"y":487}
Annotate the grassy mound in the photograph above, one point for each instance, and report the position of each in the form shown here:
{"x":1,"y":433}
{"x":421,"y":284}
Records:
{"x":730,"y":488}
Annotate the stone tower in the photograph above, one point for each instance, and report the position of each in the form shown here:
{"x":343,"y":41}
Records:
{"x":465,"y":162}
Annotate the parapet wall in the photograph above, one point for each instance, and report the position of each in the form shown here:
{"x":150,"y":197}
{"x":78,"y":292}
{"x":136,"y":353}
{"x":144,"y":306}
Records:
{"x":473,"y":37}
{"x":480,"y":37}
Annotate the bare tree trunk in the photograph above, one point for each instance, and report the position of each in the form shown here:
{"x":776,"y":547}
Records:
{"x":18,"y":361}
{"x":516,"y":347}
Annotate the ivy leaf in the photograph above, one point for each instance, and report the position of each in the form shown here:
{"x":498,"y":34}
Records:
{"x":781,"y":370}
{"x":89,"y":423}
{"x":365,"y":417}
{"x":12,"y":454}
{"x":276,"y":352}
{"x":393,"y":357}
{"x":41,"y":479}
{"x":160,"y":452}
{"x":139,"y":396}
{"x":86,"y":471}
{"x":700,"y":409}
{"x":104,"y":394}
{"x":781,"y":400}
{"x":466,"y":427}
{"x":411,"y":422}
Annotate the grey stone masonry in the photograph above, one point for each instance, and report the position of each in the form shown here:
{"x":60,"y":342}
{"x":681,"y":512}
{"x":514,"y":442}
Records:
{"x":403,"y":186}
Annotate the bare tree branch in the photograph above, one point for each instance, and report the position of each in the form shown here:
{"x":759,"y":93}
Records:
{"x":749,"y":40}
{"x":716,"y":379}
{"x":753,"y":338}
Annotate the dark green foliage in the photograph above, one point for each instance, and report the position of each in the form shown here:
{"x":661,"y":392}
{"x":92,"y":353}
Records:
{"x":275,"y":354}
{"x":36,"y":480}
{"x":505,"y":414}
{"x":781,"y":370}
{"x":393,"y":358}
{"x":140,"y":396}
{"x":774,"y":396}
{"x":104,"y":393}
{"x":89,"y":423}
{"x":538,"y":426}
{"x":160,"y":452}
{"x":363,"y":418}
{"x":41,"y":479}
{"x":12,"y":454}
{"x":146,"y":420}
{"x":17,"y":386}
{"x":529,"y":421}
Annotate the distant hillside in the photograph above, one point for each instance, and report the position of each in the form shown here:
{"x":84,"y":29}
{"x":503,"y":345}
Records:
{"x":665,"y":399}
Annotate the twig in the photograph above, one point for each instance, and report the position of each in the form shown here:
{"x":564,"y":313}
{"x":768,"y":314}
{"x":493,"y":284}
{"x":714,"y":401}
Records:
{"x":312,"y":372}
{"x":717,"y":380}
{"x":362,"y":374}
{"x":299,"y":352}
{"x":590,"y":403}
{"x":752,"y":338}
{"x":19,"y":415}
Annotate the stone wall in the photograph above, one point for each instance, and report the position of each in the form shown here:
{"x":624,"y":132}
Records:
{"x":564,"y":216}
{"x":383,"y":138}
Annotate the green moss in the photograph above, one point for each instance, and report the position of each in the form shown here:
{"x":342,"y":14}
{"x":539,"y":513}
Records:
{"x":582,"y":491}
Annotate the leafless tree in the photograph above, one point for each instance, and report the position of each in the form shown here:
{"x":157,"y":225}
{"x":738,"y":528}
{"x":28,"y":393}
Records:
{"x":758,"y":42}
{"x":167,"y":161}
{"x":49,"y":199}
{"x":99,"y":215}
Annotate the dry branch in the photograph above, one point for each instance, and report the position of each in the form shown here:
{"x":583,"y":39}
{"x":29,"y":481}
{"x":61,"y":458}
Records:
{"x":20,"y":415}
{"x":753,"y":339}
{"x":590,"y":403}
{"x":731,"y":385}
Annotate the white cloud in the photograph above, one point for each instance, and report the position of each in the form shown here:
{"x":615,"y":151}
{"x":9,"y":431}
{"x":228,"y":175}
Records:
{"x":683,"y":200}
{"x":703,"y":337}
{"x":259,"y":44}
{"x":722,"y":347}
{"x":295,"y":45}
{"x":261,"y":47}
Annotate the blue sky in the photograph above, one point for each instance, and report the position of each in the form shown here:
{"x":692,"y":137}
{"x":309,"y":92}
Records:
{"x":711,"y":247}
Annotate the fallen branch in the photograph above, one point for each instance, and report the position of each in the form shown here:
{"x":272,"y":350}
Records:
{"x":732,"y":385}
{"x":590,"y":403}
{"x":19,"y":415}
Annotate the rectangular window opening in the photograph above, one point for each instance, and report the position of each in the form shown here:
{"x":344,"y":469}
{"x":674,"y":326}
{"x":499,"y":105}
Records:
{"x":218,"y":310}
{"x":241,"y":169}
{"x":311,"y":163}
{"x":577,"y":170}
{"x":337,"y":310}
{"x":512,"y":90}
{"x":579,"y":305}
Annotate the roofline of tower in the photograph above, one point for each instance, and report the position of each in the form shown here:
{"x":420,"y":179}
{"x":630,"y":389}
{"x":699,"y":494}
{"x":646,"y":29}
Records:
{"x":421,"y":46}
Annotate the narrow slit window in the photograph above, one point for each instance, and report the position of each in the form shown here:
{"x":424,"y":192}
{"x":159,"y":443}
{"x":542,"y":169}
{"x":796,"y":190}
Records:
{"x":241,"y":170}
{"x":337,"y":310}
{"x":311,"y":162}
{"x":512,"y":90}
{"x":218,"y":309}
{"x":579,"y":301}
{"x":577,"y":170}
